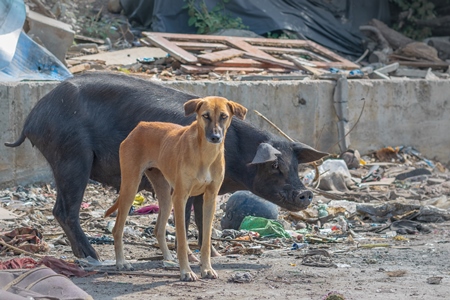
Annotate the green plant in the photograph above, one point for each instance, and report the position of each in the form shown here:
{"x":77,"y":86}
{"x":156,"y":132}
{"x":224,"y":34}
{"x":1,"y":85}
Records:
{"x":413,"y":10}
{"x":211,"y":21}
{"x":97,"y":27}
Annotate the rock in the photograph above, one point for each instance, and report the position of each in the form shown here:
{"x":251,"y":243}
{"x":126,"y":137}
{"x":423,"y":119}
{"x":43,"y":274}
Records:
{"x":56,"y":36}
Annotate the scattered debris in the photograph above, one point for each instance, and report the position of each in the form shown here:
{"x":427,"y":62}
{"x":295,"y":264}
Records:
{"x":434,"y":280}
{"x":241,"y":277}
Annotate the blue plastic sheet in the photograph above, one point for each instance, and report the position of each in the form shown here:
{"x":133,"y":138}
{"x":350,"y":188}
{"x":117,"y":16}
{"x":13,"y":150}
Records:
{"x":20,"y":57}
{"x":12,"y":17}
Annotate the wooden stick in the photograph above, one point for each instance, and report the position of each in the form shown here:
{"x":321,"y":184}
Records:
{"x":139,"y":273}
{"x":275,"y":126}
{"x":20,"y":250}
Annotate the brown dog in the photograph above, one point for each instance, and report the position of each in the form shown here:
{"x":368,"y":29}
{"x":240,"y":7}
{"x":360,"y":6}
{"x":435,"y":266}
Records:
{"x":188,"y":159}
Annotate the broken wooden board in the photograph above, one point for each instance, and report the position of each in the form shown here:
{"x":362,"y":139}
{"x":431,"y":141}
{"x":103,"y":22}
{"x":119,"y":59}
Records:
{"x":253,"y":48}
{"x":243,"y":62}
{"x":189,"y":69}
{"x":201,"y":46}
{"x":174,"y":50}
{"x":218,"y":56}
{"x":278,"y":50}
{"x":304,"y":66}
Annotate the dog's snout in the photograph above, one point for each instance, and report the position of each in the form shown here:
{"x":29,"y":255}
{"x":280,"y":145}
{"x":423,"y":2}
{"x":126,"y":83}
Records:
{"x":215,"y":138}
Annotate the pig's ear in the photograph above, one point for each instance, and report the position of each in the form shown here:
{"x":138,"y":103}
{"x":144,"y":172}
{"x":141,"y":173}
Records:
{"x":192,"y":106}
{"x":265,"y":153}
{"x":237,"y":109}
{"x":306,"y":154}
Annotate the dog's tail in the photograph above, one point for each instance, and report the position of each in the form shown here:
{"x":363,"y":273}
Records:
{"x":112,"y":208}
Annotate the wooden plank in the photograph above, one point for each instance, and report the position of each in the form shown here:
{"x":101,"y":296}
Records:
{"x":175,"y":51}
{"x":278,"y":50}
{"x":255,"y":53}
{"x":424,"y":64}
{"x":193,"y":46}
{"x":310,"y":45}
{"x":217,"y":56}
{"x":242,"y":62}
{"x":304,"y":66}
{"x":206,"y":69}
{"x":282,"y":63}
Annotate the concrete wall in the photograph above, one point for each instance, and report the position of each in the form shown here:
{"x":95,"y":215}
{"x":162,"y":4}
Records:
{"x":404,"y":112}
{"x":23,"y":164}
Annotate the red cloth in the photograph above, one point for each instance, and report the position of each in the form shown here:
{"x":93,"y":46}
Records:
{"x":19,"y":263}
{"x":149,"y":209}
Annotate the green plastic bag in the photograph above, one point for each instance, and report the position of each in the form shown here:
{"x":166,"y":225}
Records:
{"x":263,"y":226}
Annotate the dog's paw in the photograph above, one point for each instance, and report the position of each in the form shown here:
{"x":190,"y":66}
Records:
{"x":192,"y":258}
{"x":124,"y":266}
{"x":188,"y":276}
{"x":209,"y":273}
{"x":214,"y":252}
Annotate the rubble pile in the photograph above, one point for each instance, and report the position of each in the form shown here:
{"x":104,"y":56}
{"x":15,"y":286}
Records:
{"x":104,"y":40}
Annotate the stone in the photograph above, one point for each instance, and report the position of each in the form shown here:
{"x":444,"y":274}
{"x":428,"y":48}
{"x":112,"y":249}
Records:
{"x":56,"y":36}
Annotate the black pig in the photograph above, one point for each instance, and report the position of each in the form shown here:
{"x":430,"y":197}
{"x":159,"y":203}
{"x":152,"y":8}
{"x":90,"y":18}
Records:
{"x":80,"y":124}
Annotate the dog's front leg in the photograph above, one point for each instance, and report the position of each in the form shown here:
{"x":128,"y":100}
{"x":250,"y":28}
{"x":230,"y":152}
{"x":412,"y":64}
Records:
{"x":179,"y":204}
{"x":209,"y":208}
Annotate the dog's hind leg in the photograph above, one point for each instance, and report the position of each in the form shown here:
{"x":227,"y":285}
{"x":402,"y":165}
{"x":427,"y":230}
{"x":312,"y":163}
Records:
{"x":131,"y":177}
{"x":162,"y":190}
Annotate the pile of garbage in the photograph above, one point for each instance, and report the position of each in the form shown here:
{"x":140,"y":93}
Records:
{"x":54,"y":40}
{"x":386,"y":197}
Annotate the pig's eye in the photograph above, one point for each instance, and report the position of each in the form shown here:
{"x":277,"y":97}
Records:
{"x":275,"y":165}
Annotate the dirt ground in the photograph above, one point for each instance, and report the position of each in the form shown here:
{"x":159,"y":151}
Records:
{"x":279,"y":274}
{"x":362,"y":274}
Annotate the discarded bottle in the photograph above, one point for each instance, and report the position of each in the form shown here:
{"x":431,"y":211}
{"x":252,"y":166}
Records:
{"x":308,"y":178}
{"x":298,"y":246}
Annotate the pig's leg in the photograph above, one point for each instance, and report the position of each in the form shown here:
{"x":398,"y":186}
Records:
{"x":198,"y":214}
{"x":71,"y":177}
{"x":187,"y":219}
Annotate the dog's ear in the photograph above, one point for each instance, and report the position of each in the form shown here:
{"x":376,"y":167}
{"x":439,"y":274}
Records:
{"x":237,"y":109}
{"x":192,"y":106}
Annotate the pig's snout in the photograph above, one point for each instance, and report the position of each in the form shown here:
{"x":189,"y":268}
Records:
{"x":304,"y":198}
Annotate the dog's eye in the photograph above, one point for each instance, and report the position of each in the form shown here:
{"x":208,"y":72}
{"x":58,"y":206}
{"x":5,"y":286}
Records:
{"x":205,"y":116}
{"x":275,"y":165}
{"x":223,"y":116}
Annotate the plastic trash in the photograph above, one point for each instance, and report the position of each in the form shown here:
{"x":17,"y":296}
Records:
{"x":12,"y":17}
{"x":334,"y":175}
{"x":20,"y":57}
{"x":356,"y":72}
{"x":138,"y":200}
{"x":265,"y":227}
{"x":298,"y":246}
